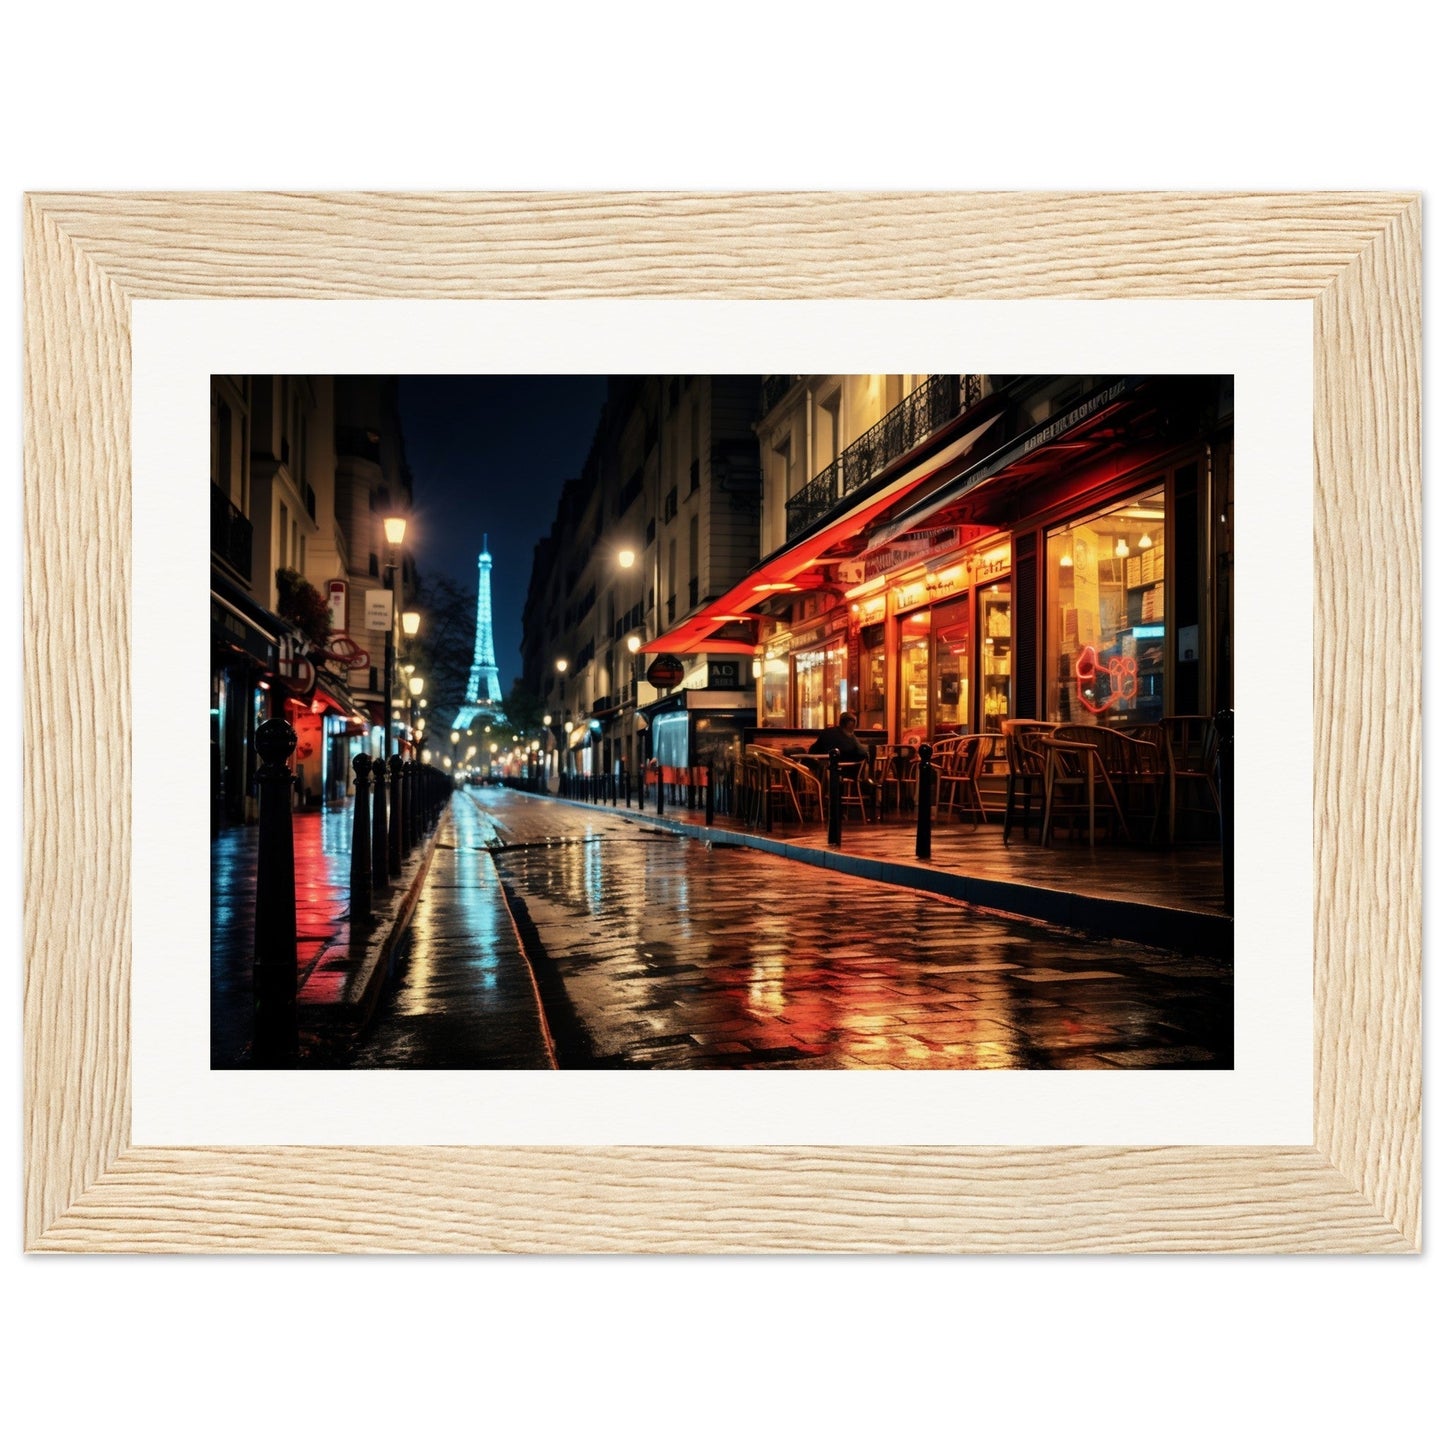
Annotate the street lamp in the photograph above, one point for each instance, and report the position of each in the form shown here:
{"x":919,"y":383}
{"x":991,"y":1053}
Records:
{"x":626,"y":557}
{"x":411,"y":623}
{"x":395,"y":529}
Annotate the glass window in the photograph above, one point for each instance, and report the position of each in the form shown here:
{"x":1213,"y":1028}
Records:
{"x":1105,"y":608}
{"x":872,"y":673}
{"x":835,"y":682}
{"x":775,"y":692}
{"x":812,"y":706}
{"x":913,"y":676}
{"x":995,"y":628}
{"x":952,"y":636}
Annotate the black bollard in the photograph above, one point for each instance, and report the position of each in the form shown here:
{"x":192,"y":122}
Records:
{"x":361,"y":841}
{"x":835,"y":801}
{"x":393,"y":851}
{"x":707,"y":792}
{"x":1224,"y":767}
{"x":925,"y":802}
{"x":380,"y":853}
{"x":273,"y":972}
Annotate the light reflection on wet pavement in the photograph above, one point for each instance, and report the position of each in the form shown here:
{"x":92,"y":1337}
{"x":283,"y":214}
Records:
{"x":662,"y":952}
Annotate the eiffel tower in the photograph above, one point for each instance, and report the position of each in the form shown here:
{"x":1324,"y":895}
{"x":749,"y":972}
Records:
{"x":484,"y":690}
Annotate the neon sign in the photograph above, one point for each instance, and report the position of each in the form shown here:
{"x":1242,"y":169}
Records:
{"x":1123,"y":675}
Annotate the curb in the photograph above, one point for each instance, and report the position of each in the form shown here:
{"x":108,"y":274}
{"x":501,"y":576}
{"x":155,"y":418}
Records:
{"x":1180,"y":930}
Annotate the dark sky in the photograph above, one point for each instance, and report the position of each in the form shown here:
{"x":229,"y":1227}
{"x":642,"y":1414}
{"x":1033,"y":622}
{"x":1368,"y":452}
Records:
{"x":489,"y":454}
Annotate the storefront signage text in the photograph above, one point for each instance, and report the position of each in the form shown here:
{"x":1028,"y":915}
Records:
{"x":914,"y":546}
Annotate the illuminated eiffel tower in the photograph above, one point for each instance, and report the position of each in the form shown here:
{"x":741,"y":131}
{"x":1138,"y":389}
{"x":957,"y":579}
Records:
{"x":484,"y":689}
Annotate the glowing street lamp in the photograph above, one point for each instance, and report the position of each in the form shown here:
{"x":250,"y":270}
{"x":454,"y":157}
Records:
{"x":561,"y":664}
{"x":411,"y":623}
{"x":633,"y":643}
{"x":626,"y":557}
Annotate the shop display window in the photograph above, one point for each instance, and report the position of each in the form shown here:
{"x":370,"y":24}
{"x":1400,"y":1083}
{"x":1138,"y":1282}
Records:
{"x":808,"y":675}
{"x":872,"y":672}
{"x":913,"y":651}
{"x":952,"y":638}
{"x":1107,"y":629}
{"x":775,"y":692}
{"x":995,"y":627}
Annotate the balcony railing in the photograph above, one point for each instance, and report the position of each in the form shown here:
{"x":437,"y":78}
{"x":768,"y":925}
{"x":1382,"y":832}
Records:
{"x":231,"y":533}
{"x":921,"y":413}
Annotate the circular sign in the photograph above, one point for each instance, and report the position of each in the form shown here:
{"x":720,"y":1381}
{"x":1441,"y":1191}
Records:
{"x":666,"y":671}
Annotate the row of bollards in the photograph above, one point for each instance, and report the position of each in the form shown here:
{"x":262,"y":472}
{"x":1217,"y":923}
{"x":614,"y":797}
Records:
{"x":383,"y":832}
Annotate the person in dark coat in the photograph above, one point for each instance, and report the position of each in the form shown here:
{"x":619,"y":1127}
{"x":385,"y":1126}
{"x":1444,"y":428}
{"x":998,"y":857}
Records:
{"x":850,"y":750}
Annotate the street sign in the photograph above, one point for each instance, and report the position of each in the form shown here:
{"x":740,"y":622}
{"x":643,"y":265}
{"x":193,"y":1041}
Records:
{"x":378,"y":610}
{"x":666,"y":671}
{"x":336,"y":604}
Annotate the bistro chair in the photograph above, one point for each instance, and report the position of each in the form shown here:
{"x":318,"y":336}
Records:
{"x":1149,"y":778}
{"x":1077,"y":780}
{"x":1192,"y":745}
{"x":895,"y":774}
{"x":959,"y":774}
{"x":1025,"y":769}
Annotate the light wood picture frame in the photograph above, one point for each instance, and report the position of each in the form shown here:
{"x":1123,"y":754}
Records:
{"x":1356,"y":257}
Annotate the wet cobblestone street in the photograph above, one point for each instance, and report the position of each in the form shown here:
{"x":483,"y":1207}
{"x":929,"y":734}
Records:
{"x":654,"y":951}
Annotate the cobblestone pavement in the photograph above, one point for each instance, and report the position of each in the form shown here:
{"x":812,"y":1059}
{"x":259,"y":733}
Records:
{"x":652,"y":950}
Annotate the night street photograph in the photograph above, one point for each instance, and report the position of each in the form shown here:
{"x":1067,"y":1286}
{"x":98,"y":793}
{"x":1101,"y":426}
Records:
{"x":722,"y":722}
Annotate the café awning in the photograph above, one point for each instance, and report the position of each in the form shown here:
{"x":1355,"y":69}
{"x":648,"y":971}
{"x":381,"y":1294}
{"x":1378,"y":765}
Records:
{"x":797,"y":566}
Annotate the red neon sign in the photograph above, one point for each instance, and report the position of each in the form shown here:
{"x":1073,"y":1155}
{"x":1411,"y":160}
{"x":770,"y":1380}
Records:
{"x":1123,"y":675}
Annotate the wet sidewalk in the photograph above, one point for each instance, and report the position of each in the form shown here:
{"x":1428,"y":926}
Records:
{"x":322,"y":845}
{"x":654,"y":950}
{"x":463,"y":996}
{"x":1163,"y":897}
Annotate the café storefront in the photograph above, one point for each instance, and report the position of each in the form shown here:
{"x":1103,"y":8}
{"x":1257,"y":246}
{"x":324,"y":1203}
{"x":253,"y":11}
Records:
{"x":1079,"y":573}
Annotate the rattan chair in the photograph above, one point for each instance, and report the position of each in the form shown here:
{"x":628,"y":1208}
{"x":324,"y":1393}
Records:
{"x":959,"y":773}
{"x":1025,"y":770}
{"x":1192,"y":746}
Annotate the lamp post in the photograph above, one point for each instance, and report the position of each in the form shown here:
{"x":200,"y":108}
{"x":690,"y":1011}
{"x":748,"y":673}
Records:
{"x":395,"y":529}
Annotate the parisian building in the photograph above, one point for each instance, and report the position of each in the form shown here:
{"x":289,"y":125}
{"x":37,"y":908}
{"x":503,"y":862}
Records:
{"x":303,"y":472}
{"x":662,"y":521}
{"x":940,"y":554}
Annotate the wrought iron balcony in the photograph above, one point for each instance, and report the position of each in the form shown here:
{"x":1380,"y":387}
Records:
{"x":231,"y":533}
{"x":921,"y":413}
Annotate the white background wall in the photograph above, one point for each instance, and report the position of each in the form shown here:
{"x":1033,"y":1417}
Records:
{"x":1124,"y":95}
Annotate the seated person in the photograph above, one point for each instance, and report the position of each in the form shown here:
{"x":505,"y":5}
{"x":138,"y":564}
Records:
{"x":850,"y":750}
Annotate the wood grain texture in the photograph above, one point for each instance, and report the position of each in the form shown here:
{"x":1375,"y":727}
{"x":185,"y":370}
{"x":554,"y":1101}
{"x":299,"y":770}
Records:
{"x":1357,"y":256}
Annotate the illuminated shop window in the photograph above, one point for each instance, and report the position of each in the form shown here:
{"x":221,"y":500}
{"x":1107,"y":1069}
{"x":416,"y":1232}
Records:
{"x":951,"y":649}
{"x":995,"y":641}
{"x":1107,"y":629}
{"x":775,"y":692}
{"x":872,"y":673}
{"x":913,"y":645}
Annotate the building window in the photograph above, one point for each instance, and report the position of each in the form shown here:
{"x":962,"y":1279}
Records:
{"x":952,"y":638}
{"x":995,"y":642}
{"x":1107,"y":629}
{"x":872,"y":673}
{"x":913,"y":643}
{"x":372,"y":566}
{"x":775,"y":692}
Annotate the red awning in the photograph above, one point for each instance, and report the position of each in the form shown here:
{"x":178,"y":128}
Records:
{"x":796,"y":568}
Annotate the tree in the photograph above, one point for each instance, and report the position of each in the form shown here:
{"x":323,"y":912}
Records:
{"x":524,"y":709}
{"x":442,"y":650}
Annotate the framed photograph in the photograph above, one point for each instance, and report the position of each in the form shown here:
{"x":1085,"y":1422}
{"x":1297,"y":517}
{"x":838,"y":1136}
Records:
{"x":1295,"y":316}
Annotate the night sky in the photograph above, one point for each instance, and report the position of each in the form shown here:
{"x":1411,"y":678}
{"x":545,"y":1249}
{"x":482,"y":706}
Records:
{"x":489,"y":454}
